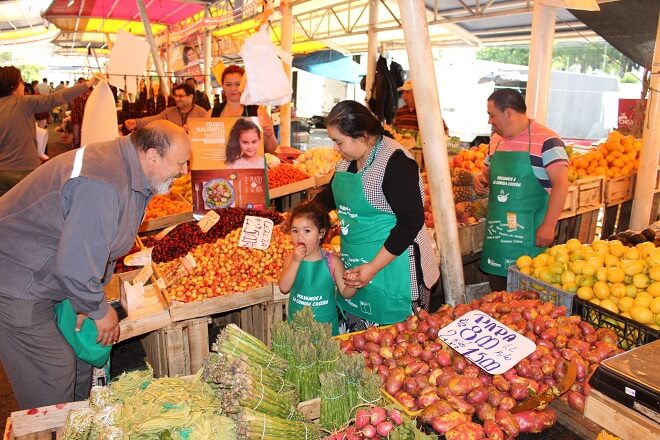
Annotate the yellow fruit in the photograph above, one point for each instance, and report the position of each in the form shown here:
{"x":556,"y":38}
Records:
{"x":609,"y":305}
{"x":631,"y":290}
{"x":577,"y":266}
{"x":615,"y":275}
{"x":546,"y":276}
{"x":586,"y":281}
{"x":588,"y":269}
{"x":611,"y":260}
{"x":569,"y":287}
{"x":556,"y":268}
{"x":526,"y":270}
{"x":654,"y":289}
{"x":641,"y":281}
{"x":596,"y":260}
{"x":641,"y":314}
{"x":567,"y":277}
{"x":631,"y":254}
{"x":562,"y":257}
{"x":617,"y":250}
{"x":654,"y":271}
{"x":643,"y":299}
{"x":595,"y":301}
{"x":626,"y":304}
{"x":618,"y":290}
{"x":585,"y":293}
{"x":540,"y":260}
{"x":576,"y":255}
{"x":655,"y":305}
{"x":601,"y":274}
{"x":601,"y":290}
{"x":573,"y":244}
{"x":625,"y":314}
{"x":524,"y":261}
{"x":632,"y":267}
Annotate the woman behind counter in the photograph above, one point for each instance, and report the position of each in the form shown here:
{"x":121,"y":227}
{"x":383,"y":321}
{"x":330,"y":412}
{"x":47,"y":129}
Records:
{"x":378,"y":194}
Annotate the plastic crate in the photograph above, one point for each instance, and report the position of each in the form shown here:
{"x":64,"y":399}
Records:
{"x":631,"y":333}
{"x":517,"y":280}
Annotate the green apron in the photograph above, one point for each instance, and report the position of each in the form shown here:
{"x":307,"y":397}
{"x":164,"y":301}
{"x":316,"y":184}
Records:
{"x":315,"y":287}
{"x":517,"y":204}
{"x":388,"y":297}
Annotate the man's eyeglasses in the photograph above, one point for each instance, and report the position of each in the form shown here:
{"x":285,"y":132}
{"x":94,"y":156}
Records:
{"x":179,"y":96}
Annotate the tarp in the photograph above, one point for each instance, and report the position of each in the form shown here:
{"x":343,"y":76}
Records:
{"x":330,"y":64}
{"x":629,"y":26}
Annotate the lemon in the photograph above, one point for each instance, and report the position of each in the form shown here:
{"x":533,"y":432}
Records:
{"x":655,"y":305}
{"x":631,"y":290}
{"x":626,"y":303}
{"x":573,"y":244}
{"x":609,"y":305}
{"x":654,"y":271}
{"x":601,"y":274}
{"x":632,"y":267}
{"x":576,"y":255}
{"x":615,"y":275}
{"x":524,"y":261}
{"x":654,"y":289}
{"x":626,"y":314}
{"x":540,"y":260}
{"x":617,"y":250}
{"x":595,"y":301}
{"x":577,"y":266}
{"x":641,"y":314}
{"x":546,"y":275}
{"x":611,"y":260}
{"x":632,"y":254}
{"x":589,"y":269}
{"x":556,"y":268}
{"x":601,"y":290}
{"x":569,"y":287}
{"x":596,"y":260}
{"x":618,"y":290}
{"x":586,"y":281}
{"x":562,"y":257}
{"x":641,"y":281}
{"x":585,"y":293}
{"x":643,"y":299}
{"x":526,"y":270}
{"x":567,"y":277}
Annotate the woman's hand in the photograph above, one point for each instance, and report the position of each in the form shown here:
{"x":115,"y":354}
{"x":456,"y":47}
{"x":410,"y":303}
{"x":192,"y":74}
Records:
{"x":359,"y":276}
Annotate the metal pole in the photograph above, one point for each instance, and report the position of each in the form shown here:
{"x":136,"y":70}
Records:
{"x":372,"y":46}
{"x":154,"y":49}
{"x":648,"y":160}
{"x":427,"y":104}
{"x":207,"y":59}
{"x":540,"y":61}
{"x":287,"y":44}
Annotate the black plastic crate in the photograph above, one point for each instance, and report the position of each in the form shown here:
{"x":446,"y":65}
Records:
{"x":630,"y":332}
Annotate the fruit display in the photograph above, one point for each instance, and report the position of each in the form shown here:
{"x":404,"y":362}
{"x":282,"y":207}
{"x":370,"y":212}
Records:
{"x":285,"y":174}
{"x":318,"y":161}
{"x":468,"y":206}
{"x":223,"y":268}
{"x":618,"y":156}
{"x":624,"y":280}
{"x":471,"y":159}
{"x":632,"y":238}
{"x":422,"y":373}
{"x":379,"y":423}
{"x":182,"y":186}
{"x":164,"y":205}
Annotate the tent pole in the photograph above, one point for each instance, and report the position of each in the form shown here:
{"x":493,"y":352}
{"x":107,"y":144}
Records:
{"x":648,"y":160}
{"x":154,"y":49}
{"x":540,"y":61}
{"x":208,"y":45}
{"x":427,"y":103}
{"x":372,"y":47}
{"x":287,"y":43}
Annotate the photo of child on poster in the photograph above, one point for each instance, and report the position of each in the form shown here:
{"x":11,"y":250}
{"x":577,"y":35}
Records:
{"x":227,"y":164}
{"x":186,"y":61}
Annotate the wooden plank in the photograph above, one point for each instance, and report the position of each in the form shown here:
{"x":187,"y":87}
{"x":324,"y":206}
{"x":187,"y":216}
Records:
{"x":654,"y":208}
{"x":212,"y":306}
{"x":177,"y":350}
{"x":609,"y":221}
{"x":291,"y":188}
{"x":198,"y":341}
{"x":619,"y":419}
{"x":41,"y":422}
{"x":169,"y":220}
{"x":311,"y":409}
{"x":153,"y":315}
{"x":623,"y":220}
{"x":591,"y":192}
{"x":570,"y":207}
{"x":575,"y":422}
{"x":619,"y":189}
{"x":323,"y":179}
{"x":587,"y":228}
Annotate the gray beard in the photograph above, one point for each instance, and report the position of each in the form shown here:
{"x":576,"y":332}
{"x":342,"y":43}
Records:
{"x":161,"y":187}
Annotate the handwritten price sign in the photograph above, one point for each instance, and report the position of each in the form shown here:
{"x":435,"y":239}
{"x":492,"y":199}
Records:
{"x":488,"y":343}
{"x":256,"y":232}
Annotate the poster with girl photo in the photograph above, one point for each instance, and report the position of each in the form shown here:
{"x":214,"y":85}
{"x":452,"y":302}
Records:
{"x":227,"y":164}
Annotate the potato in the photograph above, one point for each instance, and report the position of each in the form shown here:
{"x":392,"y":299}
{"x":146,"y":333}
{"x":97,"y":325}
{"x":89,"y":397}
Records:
{"x":460,"y":405}
{"x":501,"y":383}
{"x":466,"y":431}
{"x":507,"y":403}
{"x":576,"y":401}
{"x":507,"y":422}
{"x":492,"y":431}
{"x":477,"y":395}
{"x":395,"y":380}
{"x":486,"y":411}
{"x":535,"y":421}
{"x":445,"y":422}
{"x":461,"y":385}
{"x":436,"y":409}
{"x":495,"y":396}
{"x":519,"y":391}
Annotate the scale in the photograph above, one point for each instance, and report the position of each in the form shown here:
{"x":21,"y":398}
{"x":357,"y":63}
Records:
{"x":632,"y":379}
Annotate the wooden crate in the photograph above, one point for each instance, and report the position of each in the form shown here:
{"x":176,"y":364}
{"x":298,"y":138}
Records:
{"x":280,"y":305}
{"x":619,"y":419}
{"x":151,"y":316}
{"x":291,"y":188}
{"x":169,"y":220}
{"x":311,"y":409}
{"x":471,"y":237}
{"x":620,"y":189}
{"x":323,"y":179}
{"x":179,"y":349}
{"x":43,"y":423}
{"x":591,"y":193}
{"x":570,"y":207}
{"x":616,"y":219}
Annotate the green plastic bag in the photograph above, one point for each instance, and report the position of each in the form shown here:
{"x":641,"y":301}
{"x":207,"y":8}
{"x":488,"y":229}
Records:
{"x":83,"y":342}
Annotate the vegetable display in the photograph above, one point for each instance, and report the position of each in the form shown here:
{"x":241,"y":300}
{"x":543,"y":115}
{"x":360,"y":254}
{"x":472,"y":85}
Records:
{"x":375,"y":422}
{"x":285,"y":174}
{"x":164,"y":205}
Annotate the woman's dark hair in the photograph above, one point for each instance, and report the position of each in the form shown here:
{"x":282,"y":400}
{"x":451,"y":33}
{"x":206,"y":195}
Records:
{"x":234,"y":142}
{"x":10,"y":79}
{"x":187,"y":49}
{"x":353,"y":119}
{"x":508,"y":98}
{"x":315,"y":213}
{"x":231,"y":69}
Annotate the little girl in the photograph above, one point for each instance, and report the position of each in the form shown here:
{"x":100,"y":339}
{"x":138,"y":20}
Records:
{"x":311,"y":274}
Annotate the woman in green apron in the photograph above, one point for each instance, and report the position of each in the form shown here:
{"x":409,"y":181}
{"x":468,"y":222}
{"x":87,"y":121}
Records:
{"x":385,"y":246}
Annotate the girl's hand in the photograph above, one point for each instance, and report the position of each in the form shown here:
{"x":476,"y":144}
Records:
{"x":359,"y":276}
{"x":299,"y":252}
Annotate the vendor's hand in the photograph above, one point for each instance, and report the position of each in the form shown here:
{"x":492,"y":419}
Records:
{"x":130,"y":124}
{"x":108,"y":328}
{"x":359,"y":276}
{"x":480,"y":184}
{"x":299,"y":252}
{"x":268,"y":130}
{"x":545,"y":235}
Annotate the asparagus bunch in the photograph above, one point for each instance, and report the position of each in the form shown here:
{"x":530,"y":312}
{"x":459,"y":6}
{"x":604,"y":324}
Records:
{"x":352,"y":368}
{"x":246,"y":393}
{"x":234,"y":341}
{"x":335,"y":410}
{"x":304,"y":370}
{"x":253,"y":425}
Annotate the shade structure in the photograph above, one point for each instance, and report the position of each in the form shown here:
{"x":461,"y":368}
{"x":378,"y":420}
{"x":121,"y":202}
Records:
{"x":330,"y":64}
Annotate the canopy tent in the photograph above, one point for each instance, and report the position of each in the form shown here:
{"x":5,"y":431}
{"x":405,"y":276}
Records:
{"x":330,"y":64}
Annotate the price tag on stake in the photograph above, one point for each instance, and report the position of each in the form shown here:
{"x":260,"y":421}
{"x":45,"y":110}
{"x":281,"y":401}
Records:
{"x":256,"y":233}
{"x":139,"y":258}
{"x":488,"y":343}
{"x":164,"y":232}
{"x":207,"y":222}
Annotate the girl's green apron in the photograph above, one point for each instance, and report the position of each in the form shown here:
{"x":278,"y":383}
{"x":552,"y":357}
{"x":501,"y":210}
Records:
{"x":517,"y":204}
{"x":387,"y":298}
{"x":315,"y":287}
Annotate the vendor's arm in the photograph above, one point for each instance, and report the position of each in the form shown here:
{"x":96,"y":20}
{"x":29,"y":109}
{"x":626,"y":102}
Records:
{"x":133,"y":124}
{"x":338,"y":270}
{"x":45,"y":103}
{"x":270,"y":140}
{"x":558,"y":174}
{"x":90,"y":210}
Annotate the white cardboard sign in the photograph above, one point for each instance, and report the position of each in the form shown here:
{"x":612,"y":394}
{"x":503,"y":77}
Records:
{"x":256,"y":232}
{"x":488,"y":343}
{"x":208,"y":221}
{"x":139,"y":258}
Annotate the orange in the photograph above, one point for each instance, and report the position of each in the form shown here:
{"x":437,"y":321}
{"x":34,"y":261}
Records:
{"x":637,"y":144}
{"x":582,"y":163}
